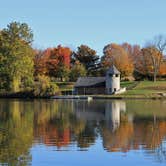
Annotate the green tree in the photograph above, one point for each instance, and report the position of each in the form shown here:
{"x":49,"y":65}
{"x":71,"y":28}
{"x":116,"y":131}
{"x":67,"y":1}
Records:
{"x":78,"y":70}
{"x":62,"y":72}
{"x":87,"y":57}
{"x":16,"y":56}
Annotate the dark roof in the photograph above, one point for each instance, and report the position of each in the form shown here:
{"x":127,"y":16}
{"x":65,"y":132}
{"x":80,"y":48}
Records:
{"x":89,"y":81}
{"x":113,"y":70}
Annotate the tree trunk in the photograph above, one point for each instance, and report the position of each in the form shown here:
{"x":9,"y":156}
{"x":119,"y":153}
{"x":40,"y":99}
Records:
{"x":154,"y":77}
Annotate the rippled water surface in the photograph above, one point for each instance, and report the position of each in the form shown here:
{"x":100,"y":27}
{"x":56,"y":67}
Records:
{"x":82,"y":133}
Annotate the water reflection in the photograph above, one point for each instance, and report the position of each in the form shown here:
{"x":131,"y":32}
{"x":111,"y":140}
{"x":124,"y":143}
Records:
{"x":16,"y":132}
{"x":121,"y":125}
{"x":107,"y":111}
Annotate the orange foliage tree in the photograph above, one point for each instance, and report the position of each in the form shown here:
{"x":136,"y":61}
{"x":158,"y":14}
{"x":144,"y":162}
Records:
{"x":40,"y":60}
{"x":54,"y":62}
{"x":151,"y":61}
{"x":162,"y":70}
{"x":133,"y":51}
{"x":115,"y":54}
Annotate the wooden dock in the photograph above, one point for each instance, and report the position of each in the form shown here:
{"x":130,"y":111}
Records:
{"x":73,"y":97}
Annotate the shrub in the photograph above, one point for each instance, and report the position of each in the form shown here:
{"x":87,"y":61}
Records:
{"x":44,"y":88}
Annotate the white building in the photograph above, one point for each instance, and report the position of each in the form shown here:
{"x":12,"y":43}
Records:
{"x":112,"y":80}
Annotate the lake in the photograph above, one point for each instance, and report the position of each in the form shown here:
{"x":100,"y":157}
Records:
{"x":82,"y":133}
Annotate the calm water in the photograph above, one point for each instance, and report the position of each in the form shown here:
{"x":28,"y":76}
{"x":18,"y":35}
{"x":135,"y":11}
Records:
{"x":81,"y":133}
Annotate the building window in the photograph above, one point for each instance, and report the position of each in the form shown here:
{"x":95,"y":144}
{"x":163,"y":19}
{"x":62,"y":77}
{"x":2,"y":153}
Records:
{"x":116,"y":75}
{"x":110,"y":75}
{"x":114,"y":89}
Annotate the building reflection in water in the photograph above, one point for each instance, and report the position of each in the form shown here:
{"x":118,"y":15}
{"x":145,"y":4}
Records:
{"x":140,"y":126}
{"x":110,"y":112}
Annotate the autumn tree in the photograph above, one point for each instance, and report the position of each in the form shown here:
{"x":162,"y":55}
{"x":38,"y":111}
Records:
{"x":16,"y":56}
{"x":159,"y":42}
{"x":116,"y":55}
{"x":40,"y":60}
{"x":58,"y":64}
{"x":133,"y":51}
{"x":152,"y":59}
{"x":88,"y":57}
{"x":135,"y":54}
{"x":162,"y":70}
{"x":53,"y":62}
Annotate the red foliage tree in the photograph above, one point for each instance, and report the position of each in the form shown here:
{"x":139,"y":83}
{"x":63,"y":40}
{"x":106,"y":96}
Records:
{"x":52,"y":61}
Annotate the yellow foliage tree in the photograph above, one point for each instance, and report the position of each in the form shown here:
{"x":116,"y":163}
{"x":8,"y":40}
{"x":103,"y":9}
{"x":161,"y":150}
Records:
{"x":114,"y":54}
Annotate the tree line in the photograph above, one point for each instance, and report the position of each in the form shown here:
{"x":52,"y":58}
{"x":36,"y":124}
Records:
{"x":21,"y":66}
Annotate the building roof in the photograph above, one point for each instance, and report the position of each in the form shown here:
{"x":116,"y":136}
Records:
{"x":113,"y":70}
{"x":89,"y":81}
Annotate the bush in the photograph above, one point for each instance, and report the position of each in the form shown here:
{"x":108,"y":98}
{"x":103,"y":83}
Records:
{"x":53,"y":89}
{"x":44,"y":88}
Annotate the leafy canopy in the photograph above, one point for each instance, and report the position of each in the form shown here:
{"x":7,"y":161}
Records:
{"x":16,"y":54}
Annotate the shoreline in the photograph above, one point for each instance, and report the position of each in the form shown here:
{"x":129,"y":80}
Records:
{"x":130,"y":98}
{"x":135,"y":90}
{"x":86,"y":97}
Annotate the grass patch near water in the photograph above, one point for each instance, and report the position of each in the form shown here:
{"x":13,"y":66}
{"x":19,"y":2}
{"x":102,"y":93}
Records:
{"x":147,"y":89}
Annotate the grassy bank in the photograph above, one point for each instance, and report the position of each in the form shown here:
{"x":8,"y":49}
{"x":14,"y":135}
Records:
{"x":135,"y":90}
{"x":148,"y":89}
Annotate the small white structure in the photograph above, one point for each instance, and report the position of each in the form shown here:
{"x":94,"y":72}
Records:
{"x":112,"y":80}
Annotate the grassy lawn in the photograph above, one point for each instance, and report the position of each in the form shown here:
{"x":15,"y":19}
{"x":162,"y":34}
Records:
{"x":147,"y":89}
{"x":129,"y":84}
{"x":126,"y":83}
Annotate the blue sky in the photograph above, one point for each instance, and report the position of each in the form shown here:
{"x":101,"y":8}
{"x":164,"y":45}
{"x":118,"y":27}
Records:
{"x":92,"y":22}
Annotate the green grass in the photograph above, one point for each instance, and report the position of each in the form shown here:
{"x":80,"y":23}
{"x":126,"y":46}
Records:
{"x":126,"y":83}
{"x":147,"y":89}
{"x":129,"y":84}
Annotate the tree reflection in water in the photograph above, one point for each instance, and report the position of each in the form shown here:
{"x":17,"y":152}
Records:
{"x":16,"y":132}
{"x":122,"y":126}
